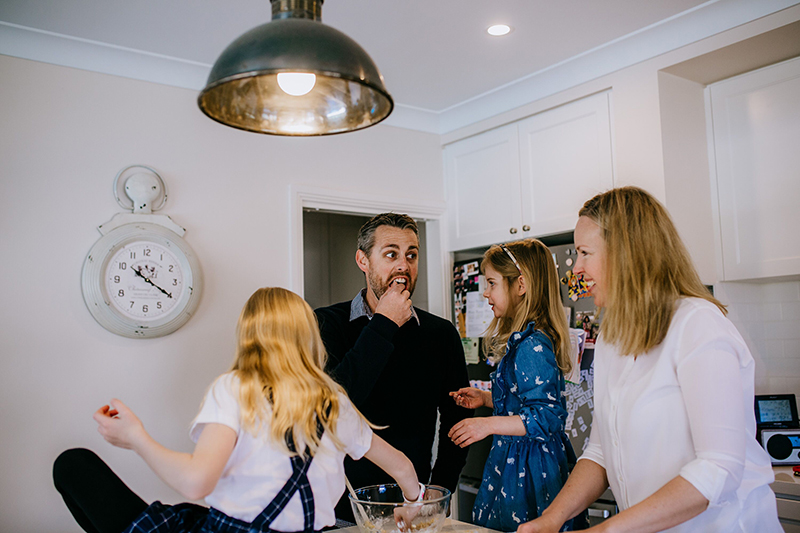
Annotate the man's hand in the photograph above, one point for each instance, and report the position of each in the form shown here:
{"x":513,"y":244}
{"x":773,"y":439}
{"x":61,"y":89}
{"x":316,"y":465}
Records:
{"x":471,"y":398}
{"x":118,"y":425}
{"x":395,"y":304}
{"x":470,"y":431}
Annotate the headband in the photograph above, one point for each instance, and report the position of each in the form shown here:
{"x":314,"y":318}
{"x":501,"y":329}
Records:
{"x":506,"y":250}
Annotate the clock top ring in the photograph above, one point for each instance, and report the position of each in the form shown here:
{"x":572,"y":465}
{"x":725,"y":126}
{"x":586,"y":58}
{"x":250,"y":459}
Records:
{"x":140,"y":188}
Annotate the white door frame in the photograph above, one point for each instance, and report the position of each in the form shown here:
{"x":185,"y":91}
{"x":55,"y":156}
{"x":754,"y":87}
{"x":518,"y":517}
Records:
{"x":349,"y":203}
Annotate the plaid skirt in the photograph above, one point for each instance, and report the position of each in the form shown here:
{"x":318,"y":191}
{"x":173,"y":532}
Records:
{"x":188,"y":518}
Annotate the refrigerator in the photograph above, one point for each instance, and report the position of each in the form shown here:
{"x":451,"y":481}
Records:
{"x":472,"y":315}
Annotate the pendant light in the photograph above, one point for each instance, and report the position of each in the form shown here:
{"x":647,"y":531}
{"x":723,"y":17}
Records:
{"x":295,"y":76}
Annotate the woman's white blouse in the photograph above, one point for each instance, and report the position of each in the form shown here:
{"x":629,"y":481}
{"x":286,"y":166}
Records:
{"x":685,"y":409}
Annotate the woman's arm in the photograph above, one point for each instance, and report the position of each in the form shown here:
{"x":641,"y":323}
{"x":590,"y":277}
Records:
{"x":673,"y":504}
{"x":194,"y":475}
{"x":584,"y":485}
{"x":396,"y":464}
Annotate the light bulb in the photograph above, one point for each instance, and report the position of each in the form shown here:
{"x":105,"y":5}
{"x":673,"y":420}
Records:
{"x":296,"y":83}
{"x":498,"y":29}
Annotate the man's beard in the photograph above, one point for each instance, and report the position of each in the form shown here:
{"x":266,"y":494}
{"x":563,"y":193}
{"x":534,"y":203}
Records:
{"x":378,"y":286}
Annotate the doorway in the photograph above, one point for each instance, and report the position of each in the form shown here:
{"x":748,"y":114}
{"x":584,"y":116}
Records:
{"x":330,"y":274}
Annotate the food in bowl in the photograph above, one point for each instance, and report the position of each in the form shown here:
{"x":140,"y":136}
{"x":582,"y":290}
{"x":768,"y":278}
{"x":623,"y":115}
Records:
{"x":374,"y":508}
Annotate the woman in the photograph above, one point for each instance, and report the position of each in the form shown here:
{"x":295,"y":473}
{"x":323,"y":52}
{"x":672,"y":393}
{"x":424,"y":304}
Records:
{"x":673,"y":431}
{"x":530,"y":456}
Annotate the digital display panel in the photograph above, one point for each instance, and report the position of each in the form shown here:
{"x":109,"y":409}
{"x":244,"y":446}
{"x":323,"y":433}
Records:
{"x":775,"y":411}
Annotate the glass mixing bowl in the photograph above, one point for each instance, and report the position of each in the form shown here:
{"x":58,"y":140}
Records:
{"x":374,"y":509}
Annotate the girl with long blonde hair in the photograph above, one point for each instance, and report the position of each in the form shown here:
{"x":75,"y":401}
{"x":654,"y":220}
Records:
{"x":673,"y":429}
{"x":271,"y":438}
{"x":529,"y":341}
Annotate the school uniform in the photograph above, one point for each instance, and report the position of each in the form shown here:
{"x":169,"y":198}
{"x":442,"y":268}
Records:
{"x":261,"y":489}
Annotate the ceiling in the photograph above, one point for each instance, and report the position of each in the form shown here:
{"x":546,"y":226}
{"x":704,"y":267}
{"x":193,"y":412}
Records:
{"x":438,"y":62}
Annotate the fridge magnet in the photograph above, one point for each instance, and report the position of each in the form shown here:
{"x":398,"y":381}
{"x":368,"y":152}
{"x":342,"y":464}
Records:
{"x":576,"y":287}
{"x":586,"y":321}
{"x":471,"y":351}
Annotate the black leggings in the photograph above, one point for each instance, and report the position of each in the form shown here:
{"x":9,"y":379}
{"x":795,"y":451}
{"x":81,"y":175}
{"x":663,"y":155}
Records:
{"x":96,"y":497}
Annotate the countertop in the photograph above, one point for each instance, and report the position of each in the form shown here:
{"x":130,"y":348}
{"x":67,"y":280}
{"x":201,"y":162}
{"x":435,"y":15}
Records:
{"x":785,"y":481}
{"x":450,"y":526}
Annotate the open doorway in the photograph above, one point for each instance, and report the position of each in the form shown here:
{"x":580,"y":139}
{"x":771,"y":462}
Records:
{"x":330,"y":274}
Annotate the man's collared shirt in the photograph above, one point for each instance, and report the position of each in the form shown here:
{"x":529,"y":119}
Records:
{"x":359,"y":307}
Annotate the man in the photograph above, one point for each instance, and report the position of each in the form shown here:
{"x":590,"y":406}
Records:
{"x":397,"y":363}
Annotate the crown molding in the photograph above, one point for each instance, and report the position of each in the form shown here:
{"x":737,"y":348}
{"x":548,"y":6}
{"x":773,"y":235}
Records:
{"x":705,"y":20}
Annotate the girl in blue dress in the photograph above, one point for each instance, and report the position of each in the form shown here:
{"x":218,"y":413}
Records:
{"x":530,"y":455}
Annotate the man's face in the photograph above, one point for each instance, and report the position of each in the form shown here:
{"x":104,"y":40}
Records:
{"x":394,"y":258}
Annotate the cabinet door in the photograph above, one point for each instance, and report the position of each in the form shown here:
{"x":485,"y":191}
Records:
{"x":565,"y":159}
{"x":483,"y":188}
{"x":756,"y":126}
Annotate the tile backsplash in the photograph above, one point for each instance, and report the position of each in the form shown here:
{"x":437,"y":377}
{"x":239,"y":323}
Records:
{"x":768,"y":317}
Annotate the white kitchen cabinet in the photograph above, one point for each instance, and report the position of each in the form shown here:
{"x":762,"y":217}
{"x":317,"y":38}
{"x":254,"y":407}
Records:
{"x":482,"y":177}
{"x":565,"y":159}
{"x":528,"y":178}
{"x":756,"y":134}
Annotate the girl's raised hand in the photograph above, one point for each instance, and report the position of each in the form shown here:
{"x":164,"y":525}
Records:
{"x":469,"y":397}
{"x":118,"y":425}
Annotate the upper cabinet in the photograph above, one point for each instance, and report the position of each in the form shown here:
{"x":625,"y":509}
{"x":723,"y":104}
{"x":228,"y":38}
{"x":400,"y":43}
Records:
{"x":756,"y":130}
{"x":528,"y":178}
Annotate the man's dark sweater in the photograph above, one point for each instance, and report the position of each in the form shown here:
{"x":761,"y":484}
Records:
{"x":399,"y":377}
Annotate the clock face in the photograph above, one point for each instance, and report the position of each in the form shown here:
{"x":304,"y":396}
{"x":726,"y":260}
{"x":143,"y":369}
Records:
{"x":144,"y":280}
{"x":141,"y":280}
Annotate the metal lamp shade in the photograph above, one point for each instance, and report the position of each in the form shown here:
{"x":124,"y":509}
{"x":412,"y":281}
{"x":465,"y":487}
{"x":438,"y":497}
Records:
{"x":243,"y":92}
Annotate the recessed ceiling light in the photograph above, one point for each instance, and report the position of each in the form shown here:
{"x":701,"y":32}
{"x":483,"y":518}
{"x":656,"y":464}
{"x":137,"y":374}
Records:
{"x":498,"y":29}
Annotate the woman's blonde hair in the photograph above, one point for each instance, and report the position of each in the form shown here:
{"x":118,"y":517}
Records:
{"x":279,"y":362}
{"x":541,"y":302}
{"x":647,"y":268}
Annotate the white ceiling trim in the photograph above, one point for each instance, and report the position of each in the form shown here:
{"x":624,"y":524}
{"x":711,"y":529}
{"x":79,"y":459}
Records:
{"x":685,"y":28}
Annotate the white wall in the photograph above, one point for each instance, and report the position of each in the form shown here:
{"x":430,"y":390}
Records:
{"x":64,"y":134}
{"x":767,"y":314}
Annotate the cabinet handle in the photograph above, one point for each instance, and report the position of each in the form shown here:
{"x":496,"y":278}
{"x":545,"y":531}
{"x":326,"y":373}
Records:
{"x":512,"y":231}
{"x":526,"y":228}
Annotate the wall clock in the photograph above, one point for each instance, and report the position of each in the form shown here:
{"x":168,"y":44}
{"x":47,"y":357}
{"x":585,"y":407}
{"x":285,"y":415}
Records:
{"x":141,"y":279}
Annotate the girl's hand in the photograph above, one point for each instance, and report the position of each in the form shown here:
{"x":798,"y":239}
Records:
{"x":470,"y":431}
{"x":118,"y":425}
{"x":469,"y":397}
{"x":404,"y":516}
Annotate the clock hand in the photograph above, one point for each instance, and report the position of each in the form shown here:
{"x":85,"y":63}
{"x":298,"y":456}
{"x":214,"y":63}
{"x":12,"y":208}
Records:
{"x":139,"y":273}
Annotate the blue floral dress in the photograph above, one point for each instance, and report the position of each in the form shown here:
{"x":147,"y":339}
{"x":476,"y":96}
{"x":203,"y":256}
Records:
{"x":524,"y":474}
